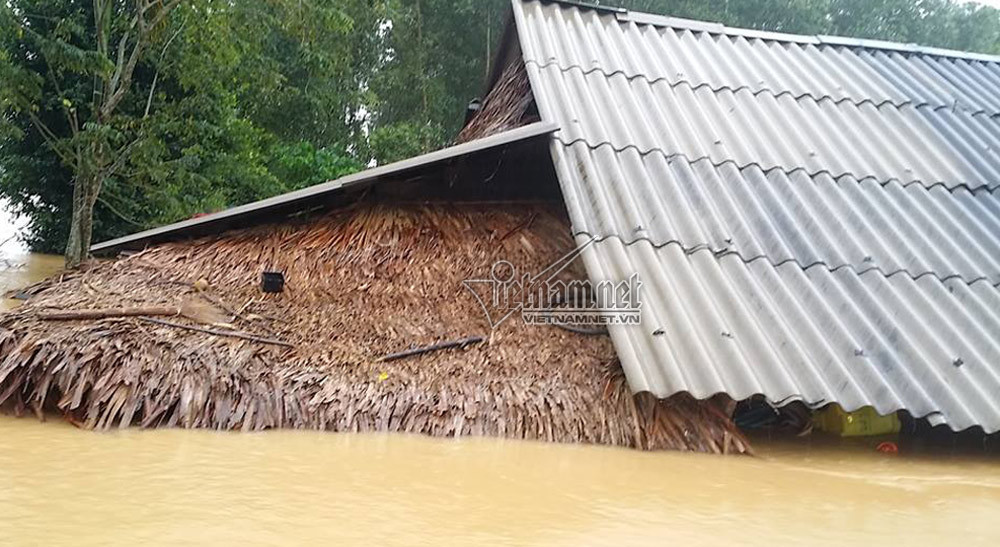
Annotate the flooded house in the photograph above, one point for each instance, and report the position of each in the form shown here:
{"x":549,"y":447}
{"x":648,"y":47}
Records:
{"x":812,"y":221}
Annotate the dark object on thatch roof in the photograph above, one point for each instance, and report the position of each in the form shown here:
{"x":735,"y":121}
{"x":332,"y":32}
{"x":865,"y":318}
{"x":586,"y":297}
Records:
{"x":362,"y":283}
{"x":460,"y":344}
{"x":475,"y":105}
{"x":272,"y":282}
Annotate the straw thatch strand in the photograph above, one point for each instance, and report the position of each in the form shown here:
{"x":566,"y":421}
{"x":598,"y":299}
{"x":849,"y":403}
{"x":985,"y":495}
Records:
{"x":361,"y":284}
{"x":507,"y":106}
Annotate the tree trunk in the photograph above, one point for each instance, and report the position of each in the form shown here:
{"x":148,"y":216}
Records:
{"x":94,"y":162}
{"x":74,"y":245}
{"x":85,"y":190}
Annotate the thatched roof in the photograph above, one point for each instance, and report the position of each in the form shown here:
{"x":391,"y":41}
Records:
{"x":361,"y":283}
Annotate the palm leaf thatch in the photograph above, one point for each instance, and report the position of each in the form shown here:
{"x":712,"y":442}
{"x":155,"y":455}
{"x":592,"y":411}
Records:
{"x":361,"y":283}
{"x":508,"y":105}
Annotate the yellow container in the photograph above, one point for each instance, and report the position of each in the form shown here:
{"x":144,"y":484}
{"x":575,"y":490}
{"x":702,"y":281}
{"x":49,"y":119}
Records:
{"x":864,"y":422}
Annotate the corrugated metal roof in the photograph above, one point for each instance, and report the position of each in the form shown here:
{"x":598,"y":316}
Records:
{"x":785,"y":217}
{"x":904,"y":143}
{"x":313,"y":196}
{"x":812,"y":218}
{"x":720,"y":324}
{"x":669,"y":50}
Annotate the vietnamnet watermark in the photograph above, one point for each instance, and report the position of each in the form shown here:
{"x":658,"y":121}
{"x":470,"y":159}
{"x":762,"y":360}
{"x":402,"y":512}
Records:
{"x":544,"y":299}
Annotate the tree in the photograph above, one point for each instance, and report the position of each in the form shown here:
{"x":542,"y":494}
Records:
{"x":942,"y":23}
{"x":254,"y":100}
{"x":95,"y":49}
{"x":228,"y":102}
{"x":437,"y":54}
{"x":234,"y":102}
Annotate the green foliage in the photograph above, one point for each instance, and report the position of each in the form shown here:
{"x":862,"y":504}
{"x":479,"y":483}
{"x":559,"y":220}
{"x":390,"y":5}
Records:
{"x":302,"y":65}
{"x":437,"y":55}
{"x":298,"y":165}
{"x":238,"y":101}
{"x":403,"y":140}
{"x":942,"y":23}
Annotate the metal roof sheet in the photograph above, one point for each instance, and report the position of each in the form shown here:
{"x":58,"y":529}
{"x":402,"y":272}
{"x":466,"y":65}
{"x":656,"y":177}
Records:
{"x":719,"y":324}
{"x":811,"y":218}
{"x":676,"y":51}
{"x":784,"y":217}
{"x":905,"y":143}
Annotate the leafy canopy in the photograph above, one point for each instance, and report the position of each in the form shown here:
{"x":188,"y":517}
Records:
{"x":237,"y":101}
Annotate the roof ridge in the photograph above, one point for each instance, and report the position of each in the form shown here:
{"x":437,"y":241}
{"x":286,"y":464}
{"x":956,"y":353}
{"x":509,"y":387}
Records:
{"x":643,"y":18}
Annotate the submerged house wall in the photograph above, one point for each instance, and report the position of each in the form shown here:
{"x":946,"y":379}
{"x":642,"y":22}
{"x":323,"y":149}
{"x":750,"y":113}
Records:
{"x":361,"y":283}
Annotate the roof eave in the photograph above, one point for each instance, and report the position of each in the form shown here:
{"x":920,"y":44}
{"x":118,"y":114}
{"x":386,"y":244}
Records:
{"x":307,"y":196}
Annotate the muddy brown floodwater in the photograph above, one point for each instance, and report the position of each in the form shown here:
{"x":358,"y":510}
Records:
{"x":61,"y":485}
{"x":18,"y":267}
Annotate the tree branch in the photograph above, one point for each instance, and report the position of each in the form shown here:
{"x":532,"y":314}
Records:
{"x":74,"y":125}
{"x":119,"y":214}
{"x":122,"y":78}
{"x":120,"y":160}
{"x":164,"y":11}
{"x":119,"y":62}
{"x":50,"y":137}
{"x":156,"y":75}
